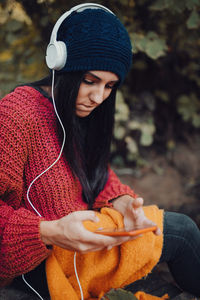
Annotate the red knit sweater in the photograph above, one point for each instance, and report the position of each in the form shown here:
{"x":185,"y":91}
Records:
{"x":29,"y":144}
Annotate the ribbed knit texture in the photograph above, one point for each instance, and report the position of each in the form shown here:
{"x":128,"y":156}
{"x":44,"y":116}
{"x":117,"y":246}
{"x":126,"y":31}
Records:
{"x":96,"y":40}
{"x":29,"y":144}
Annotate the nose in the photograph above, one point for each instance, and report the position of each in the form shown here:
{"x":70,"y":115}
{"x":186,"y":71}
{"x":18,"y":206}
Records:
{"x":97,"y":95}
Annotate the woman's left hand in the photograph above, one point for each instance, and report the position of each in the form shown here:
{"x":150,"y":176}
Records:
{"x":133,"y":213}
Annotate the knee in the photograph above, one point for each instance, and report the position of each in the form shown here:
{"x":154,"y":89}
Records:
{"x":191,"y":230}
{"x":181,"y":224}
{"x":189,"y":226}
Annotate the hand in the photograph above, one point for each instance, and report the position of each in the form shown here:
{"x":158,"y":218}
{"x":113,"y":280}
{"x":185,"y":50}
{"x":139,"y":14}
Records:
{"x":131,"y":209}
{"x":69,"y":233}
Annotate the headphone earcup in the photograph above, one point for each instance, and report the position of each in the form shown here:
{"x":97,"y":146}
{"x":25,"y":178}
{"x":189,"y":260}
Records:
{"x":56,"y":55}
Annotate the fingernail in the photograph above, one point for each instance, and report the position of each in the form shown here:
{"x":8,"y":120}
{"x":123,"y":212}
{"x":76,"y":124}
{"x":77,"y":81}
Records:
{"x":109,"y":248}
{"x":158,"y":231}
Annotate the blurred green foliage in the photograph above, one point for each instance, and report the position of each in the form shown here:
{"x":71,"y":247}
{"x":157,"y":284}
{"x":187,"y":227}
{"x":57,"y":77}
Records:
{"x":117,"y":294}
{"x":159,"y":103}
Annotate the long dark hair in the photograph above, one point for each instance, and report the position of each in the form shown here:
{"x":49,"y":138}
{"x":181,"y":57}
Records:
{"x":88,"y":139}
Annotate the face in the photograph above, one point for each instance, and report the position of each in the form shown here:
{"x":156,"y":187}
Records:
{"x":95,"y":88}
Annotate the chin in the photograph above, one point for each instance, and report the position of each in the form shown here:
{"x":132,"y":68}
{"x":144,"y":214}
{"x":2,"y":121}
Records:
{"x":83,"y":114}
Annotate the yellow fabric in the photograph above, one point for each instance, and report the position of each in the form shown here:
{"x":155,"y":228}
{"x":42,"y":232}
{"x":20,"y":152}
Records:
{"x":100,"y":271}
{"x":143,"y":296}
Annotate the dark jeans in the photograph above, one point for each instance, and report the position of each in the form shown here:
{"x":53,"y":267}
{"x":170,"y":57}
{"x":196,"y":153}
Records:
{"x":181,"y":251}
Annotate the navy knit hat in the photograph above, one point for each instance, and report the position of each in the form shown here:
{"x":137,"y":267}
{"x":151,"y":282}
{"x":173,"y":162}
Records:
{"x":95,"y":40}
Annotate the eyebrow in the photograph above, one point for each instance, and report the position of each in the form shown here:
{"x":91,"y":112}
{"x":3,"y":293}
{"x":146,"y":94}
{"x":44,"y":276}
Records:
{"x":95,"y":76}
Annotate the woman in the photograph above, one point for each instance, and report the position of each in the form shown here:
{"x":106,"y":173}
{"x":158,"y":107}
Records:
{"x":46,"y":194}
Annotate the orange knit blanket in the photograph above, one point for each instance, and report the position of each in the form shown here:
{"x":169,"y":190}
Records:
{"x":100,"y":271}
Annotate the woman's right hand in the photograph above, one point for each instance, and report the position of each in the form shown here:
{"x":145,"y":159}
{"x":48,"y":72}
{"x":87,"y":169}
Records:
{"x":69,"y":233}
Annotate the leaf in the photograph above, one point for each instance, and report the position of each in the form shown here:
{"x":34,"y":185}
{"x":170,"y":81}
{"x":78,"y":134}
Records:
{"x":118,"y":161}
{"x":6,"y":56}
{"x":151,"y":44}
{"x":132,"y":156}
{"x":14,"y":25}
{"x":119,"y":294}
{"x":188,"y":108}
{"x":156,"y":48}
{"x":178,"y":6}
{"x":159,"y":5}
{"x":133,"y":125}
{"x":140,"y":65}
{"x":171,"y":144}
{"x":131,"y":145}
{"x":141,"y":43}
{"x":122,"y":109}
{"x":191,"y":4}
{"x":119,"y":132}
{"x":146,"y":138}
{"x":196,"y":121}
{"x":11,"y":37}
{"x":162,"y":95}
{"x":19,"y":14}
{"x":193,"y":21}
{"x":147,"y":131}
{"x":44,"y":21}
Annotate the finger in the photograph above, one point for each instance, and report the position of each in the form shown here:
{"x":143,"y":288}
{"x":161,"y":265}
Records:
{"x":148,"y":223}
{"x":158,"y":231}
{"x":109,"y":248}
{"x":113,"y":242}
{"x":103,"y":240}
{"x":95,"y":239}
{"x":94,"y":249}
{"x":138,"y":202}
{"x":86,"y":215}
{"x":121,"y":241}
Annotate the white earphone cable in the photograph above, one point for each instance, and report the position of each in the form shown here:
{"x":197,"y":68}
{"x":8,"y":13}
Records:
{"x":77,"y":278}
{"x":28,"y":190}
{"x":23,"y":277}
{"x":61,"y":150}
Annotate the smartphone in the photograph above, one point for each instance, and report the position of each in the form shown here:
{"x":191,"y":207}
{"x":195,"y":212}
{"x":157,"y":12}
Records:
{"x":124,"y":232}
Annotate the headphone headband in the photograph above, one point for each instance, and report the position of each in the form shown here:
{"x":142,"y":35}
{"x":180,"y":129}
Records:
{"x":77,"y":8}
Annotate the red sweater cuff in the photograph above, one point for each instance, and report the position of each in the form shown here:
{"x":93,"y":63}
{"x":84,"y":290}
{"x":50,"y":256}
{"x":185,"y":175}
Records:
{"x":111,"y":193}
{"x":21,"y":248}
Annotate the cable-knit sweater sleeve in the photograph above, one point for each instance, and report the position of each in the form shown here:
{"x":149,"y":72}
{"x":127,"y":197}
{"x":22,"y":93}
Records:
{"x":113,"y":189}
{"x":21,"y":248}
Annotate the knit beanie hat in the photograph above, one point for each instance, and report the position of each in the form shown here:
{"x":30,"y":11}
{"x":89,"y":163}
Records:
{"x":95,"y":40}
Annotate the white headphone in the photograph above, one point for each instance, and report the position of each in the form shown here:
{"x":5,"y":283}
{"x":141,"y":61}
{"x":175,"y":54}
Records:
{"x":56,"y":53}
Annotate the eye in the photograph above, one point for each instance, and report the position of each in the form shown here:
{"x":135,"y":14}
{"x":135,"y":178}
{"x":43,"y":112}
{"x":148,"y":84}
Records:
{"x":111,"y":86}
{"x":87,"y":81}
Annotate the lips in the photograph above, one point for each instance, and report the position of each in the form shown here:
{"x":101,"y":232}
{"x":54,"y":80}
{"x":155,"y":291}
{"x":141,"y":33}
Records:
{"x":84,"y":108}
